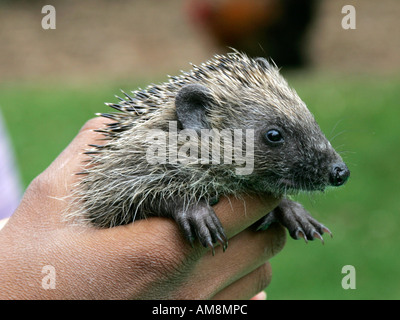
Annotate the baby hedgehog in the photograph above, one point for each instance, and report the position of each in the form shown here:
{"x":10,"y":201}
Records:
{"x":230,"y":126}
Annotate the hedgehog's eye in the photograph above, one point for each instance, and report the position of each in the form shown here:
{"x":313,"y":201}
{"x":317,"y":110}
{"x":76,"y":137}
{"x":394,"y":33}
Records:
{"x":274,"y":137}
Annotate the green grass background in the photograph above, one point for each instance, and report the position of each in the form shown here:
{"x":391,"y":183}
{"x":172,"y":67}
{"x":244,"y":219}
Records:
{"x":362,"y":116}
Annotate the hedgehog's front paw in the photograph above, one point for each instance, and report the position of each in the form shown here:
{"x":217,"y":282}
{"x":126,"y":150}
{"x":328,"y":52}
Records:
{"x":296,"y":219}
{"x":199,"y":221}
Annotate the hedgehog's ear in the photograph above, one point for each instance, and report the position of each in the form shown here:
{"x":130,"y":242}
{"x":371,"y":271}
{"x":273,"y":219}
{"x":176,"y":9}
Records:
{"x":191,"y":104}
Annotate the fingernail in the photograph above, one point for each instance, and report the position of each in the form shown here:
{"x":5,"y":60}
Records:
{"x":260,"y":296}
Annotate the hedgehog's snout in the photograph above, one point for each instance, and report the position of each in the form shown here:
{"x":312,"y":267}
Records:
{"x":339,"y":174}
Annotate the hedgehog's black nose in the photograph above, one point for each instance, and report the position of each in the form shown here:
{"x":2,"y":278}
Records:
{"x":339,"y":174}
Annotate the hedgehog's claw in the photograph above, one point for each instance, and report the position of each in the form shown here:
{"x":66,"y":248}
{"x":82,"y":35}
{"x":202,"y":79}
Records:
{"x":300,"y":234}
{"x":326,"y":230}
{"x":297,"y":220}
{"x":317,"y":235}
{"x":199,"y":221}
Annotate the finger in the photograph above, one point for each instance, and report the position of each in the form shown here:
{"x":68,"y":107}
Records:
{"x":163,"y":250}
{"x":248,"y":286}
{"x":62,"y":173}
{"x":247,"y":251}
{"x":238,"y":214}
{"x":71,"y":160}
{"x":53,"y":185}
{"x":155,"y":250}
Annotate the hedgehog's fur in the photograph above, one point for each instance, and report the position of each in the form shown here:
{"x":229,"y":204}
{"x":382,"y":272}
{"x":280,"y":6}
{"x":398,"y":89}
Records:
{"x":119,"y":185}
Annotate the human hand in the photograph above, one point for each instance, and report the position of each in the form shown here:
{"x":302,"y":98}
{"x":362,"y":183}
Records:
{"x":148,"y":259}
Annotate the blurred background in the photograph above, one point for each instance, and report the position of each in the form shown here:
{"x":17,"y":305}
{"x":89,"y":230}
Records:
{"x":52,"y":81}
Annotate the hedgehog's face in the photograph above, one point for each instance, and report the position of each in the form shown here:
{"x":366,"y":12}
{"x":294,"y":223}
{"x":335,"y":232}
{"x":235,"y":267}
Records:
{"x":290,"y":151}
{"x":292,"y":154}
